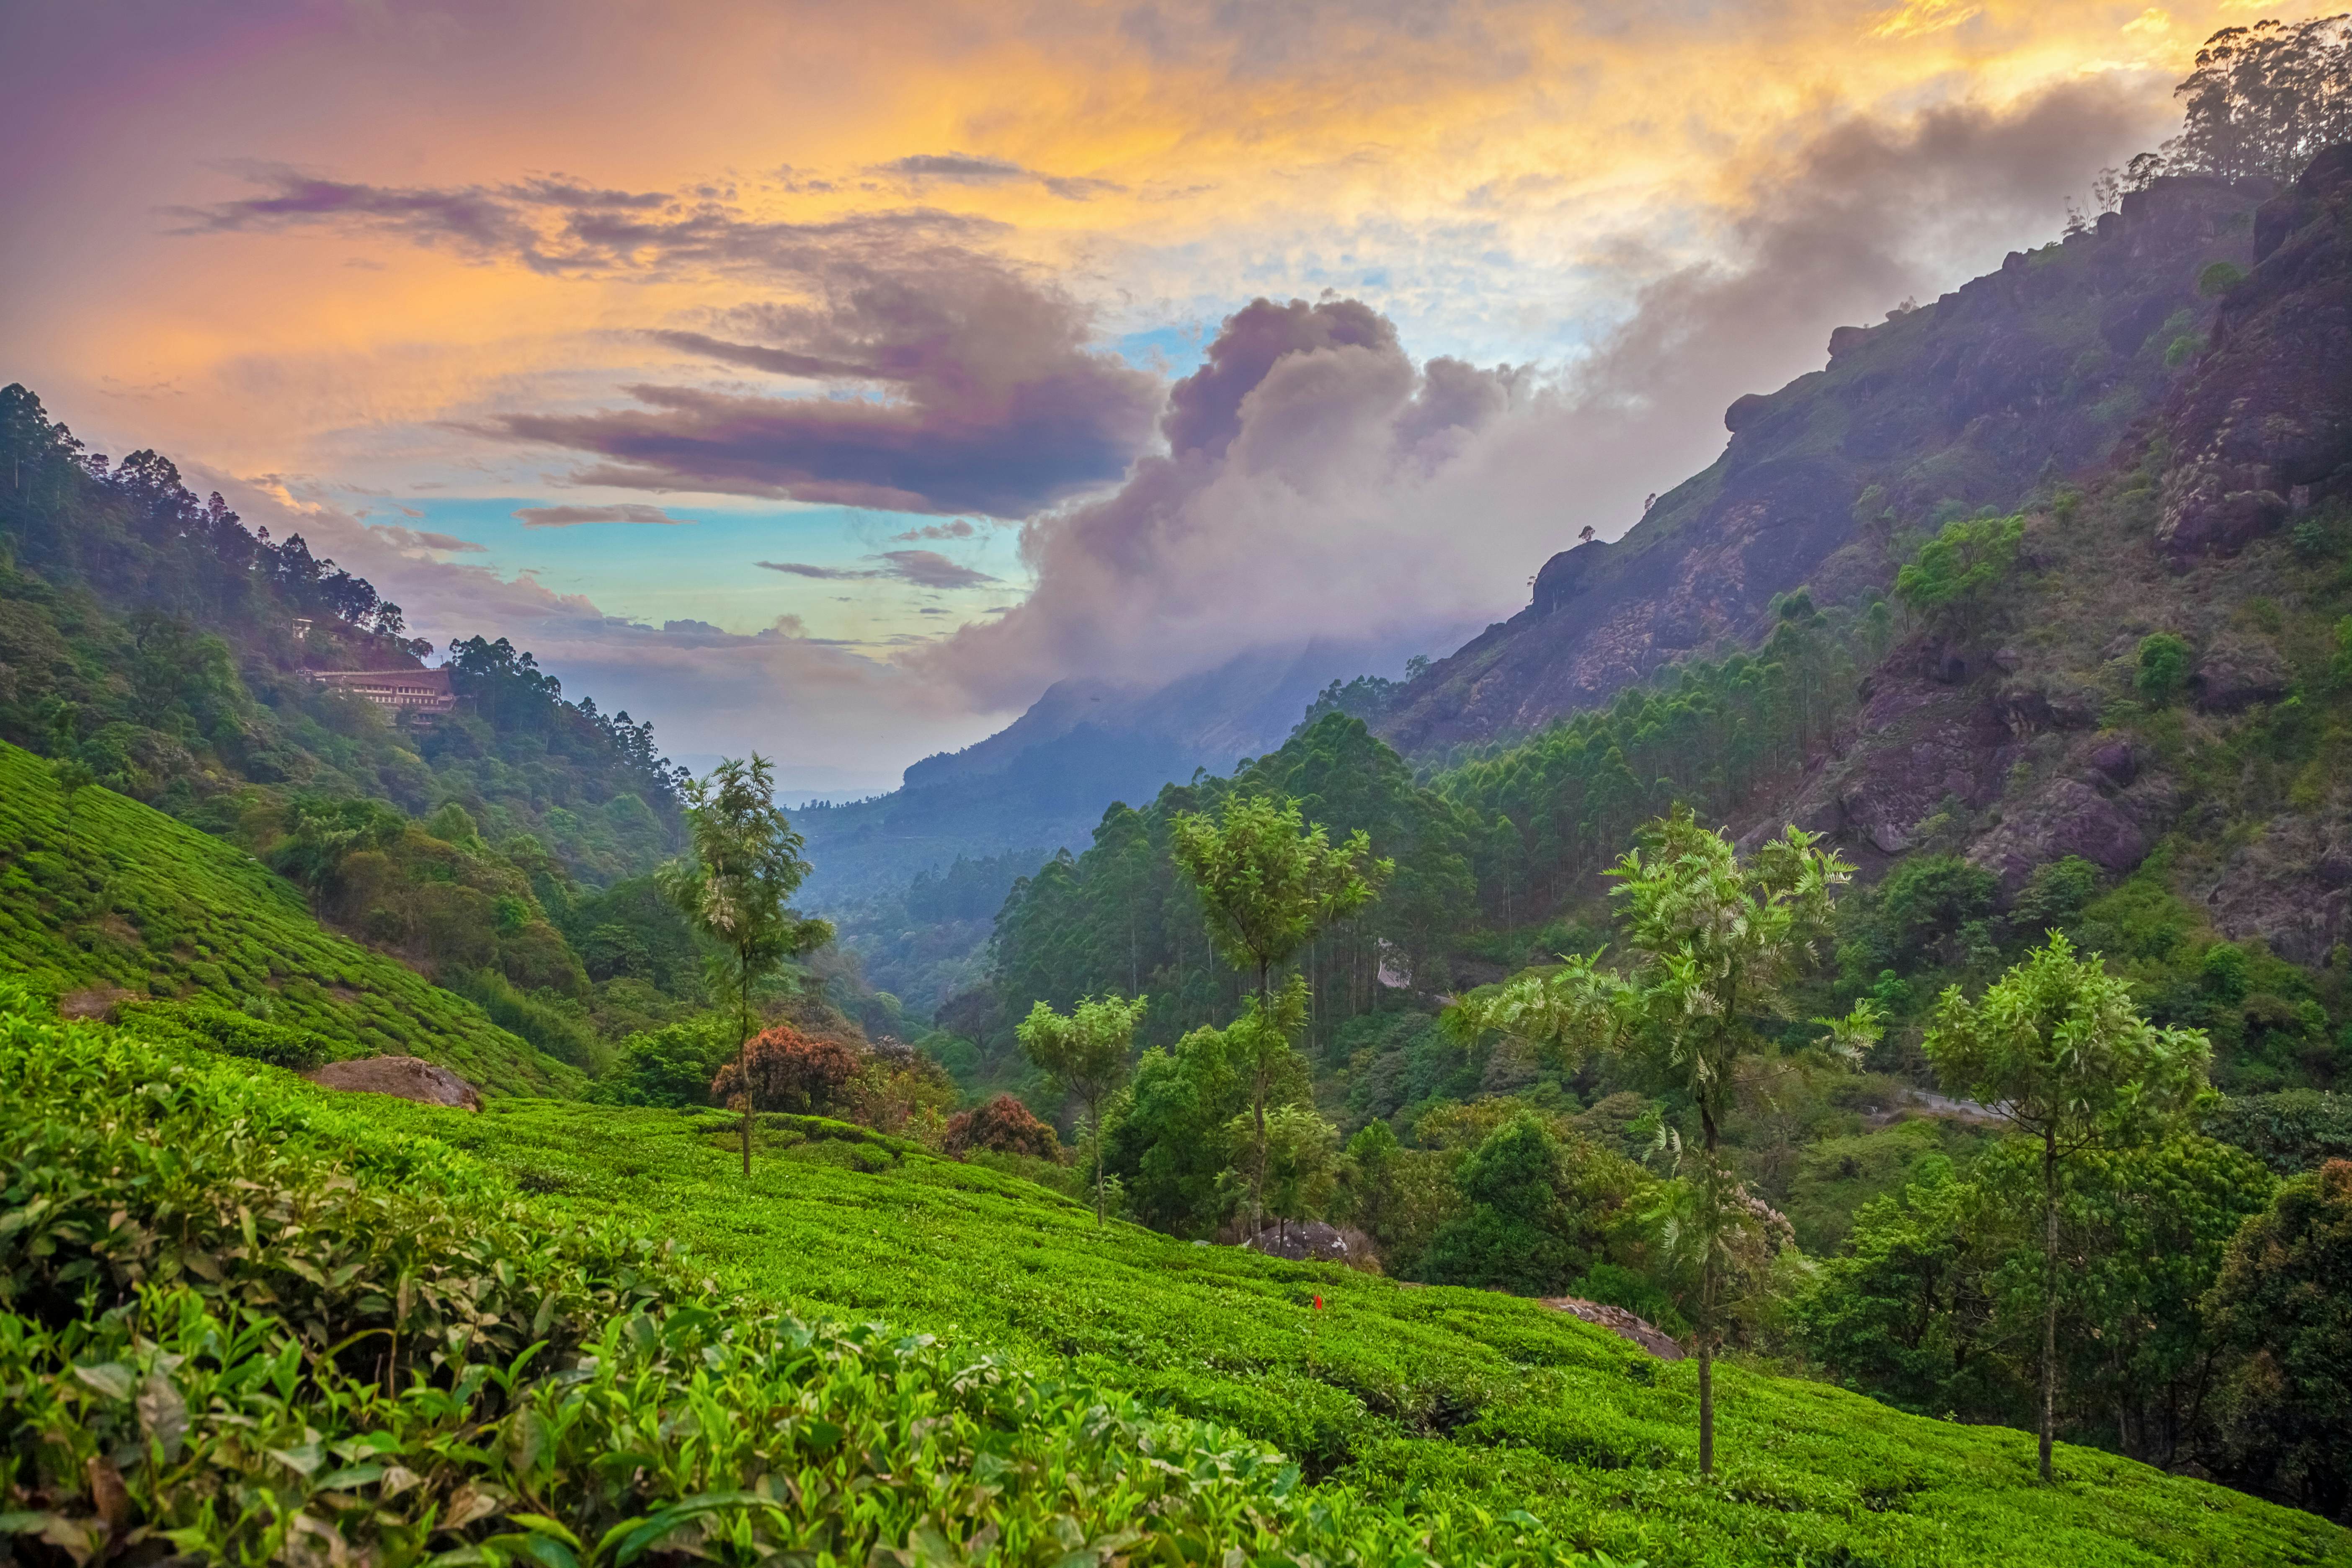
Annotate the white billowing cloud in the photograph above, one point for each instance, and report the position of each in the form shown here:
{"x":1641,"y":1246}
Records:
{"x":1319,"y":482}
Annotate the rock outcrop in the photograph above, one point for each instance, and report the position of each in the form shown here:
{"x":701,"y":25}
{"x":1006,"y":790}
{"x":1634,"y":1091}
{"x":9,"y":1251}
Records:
{"x":2263,"y":427}
{"x":408,"y":1078}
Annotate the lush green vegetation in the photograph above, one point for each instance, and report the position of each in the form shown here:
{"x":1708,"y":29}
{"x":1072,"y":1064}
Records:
{"x":1469,"y":1419}
{"x":103,"y":901}
{"x":243,"y":1326}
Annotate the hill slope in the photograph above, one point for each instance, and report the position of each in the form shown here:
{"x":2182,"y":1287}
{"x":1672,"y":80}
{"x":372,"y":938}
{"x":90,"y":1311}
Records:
{"x":100,"y":895}
{"x":1419,"y":1398}
{"x":2019,"y":378}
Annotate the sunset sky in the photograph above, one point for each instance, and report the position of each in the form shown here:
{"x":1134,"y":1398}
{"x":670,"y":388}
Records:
{"x":799,"y":376}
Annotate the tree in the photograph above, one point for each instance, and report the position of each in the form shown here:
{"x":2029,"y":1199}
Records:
{"x":2058,"y":1049}
{"x":1003,"y":1125}
{"x":734,"y":888}
{"x":1949,"y":585}
{"x":1714,"y":948}
{"x":2285,"y":1297}
{"x":1086,"y":1052}
{"x":780,"y":1068}
{"x":1268,"y":883}
{"x":2262,"y":99}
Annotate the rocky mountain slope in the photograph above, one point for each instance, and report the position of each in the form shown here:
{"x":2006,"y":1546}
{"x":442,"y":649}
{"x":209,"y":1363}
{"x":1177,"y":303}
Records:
{"x":2167,"y":683}
{"x":2009,"y":384}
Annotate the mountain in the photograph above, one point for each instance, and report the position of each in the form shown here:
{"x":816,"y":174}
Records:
{"x":2004,"y":387}
{"x":1044,"y":780}
{"x":2164,"y":687}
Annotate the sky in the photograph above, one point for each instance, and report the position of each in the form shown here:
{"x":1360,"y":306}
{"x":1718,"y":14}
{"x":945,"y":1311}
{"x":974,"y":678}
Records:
{"x":830,"y":380}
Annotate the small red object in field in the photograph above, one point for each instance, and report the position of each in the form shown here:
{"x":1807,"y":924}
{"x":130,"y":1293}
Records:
{"x":1319,"y":1303}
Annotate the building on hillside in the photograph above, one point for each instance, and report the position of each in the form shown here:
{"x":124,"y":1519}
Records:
{"x":423,"y":693}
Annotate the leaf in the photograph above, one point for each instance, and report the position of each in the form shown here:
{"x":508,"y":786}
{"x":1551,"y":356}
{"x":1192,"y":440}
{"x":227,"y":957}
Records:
{"x":110,"y":1378}
{"x":304,"y":1459}
{"x":540,"y":1524}
{"x":355,"y":1476}
{"x":163,"y":1415}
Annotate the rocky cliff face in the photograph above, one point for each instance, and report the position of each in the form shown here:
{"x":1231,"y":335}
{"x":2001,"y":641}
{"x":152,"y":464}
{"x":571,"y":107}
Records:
{"x":2226,"y":521}
{"x":2016,"y":380}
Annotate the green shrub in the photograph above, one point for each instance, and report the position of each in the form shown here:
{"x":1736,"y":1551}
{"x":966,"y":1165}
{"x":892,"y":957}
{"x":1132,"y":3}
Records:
{"x":2294,"y":1130}
{"x":1950,"y":583}
{"x":2219,"y":278}
{"x":671,"y":1066}
{"x":2162,"y":672}
{"x":234,"y":1034}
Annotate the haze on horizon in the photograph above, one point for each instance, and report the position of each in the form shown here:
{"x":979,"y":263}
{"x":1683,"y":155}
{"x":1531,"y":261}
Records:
{"x":831,"y":384}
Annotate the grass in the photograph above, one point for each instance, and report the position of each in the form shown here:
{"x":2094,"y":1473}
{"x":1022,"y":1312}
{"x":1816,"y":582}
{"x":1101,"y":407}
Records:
{"x":1416,"y":1398}
{"x":100,"y":894}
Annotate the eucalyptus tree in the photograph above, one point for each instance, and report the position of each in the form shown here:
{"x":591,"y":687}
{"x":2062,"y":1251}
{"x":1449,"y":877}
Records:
{"x":735,"y":887}
{"x":1268,"y":882}
{"x":1713,"y":949}
{"x":2057,"y":1048}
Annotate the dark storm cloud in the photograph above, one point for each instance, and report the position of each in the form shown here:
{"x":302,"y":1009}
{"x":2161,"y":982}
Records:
{"x":1204,"y":409}
{"x":559,"y":225}
{"x":993,"y":402}
{"x":990,"y":399}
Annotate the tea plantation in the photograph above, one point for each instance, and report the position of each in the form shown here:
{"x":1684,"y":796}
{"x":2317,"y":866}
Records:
{"x":106,"y":897}
{"x":214,"y":1277}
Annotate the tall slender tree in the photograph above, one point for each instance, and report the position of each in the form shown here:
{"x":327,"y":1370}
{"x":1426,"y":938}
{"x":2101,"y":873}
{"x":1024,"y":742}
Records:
{"x":1268,"y":882}
{"x":1088,"y":1052}
{"x":735,"y":888}
{"x":2057,"y":1048}
{"x":1714,"y":947}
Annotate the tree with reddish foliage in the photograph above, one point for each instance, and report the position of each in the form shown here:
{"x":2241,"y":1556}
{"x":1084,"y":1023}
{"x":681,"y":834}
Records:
{"x":787,"y":1070}
{"x":1006,"y":1125}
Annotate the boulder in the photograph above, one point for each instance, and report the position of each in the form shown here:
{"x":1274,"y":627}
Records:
{"x":2237,"y":675}
{"x":1617,"y":1322}
{"x":1306,"y":1241}
{"x":405,"y":1077}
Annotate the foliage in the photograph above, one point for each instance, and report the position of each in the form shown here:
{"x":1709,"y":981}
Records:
{"x":2262,"y":99}
{"x":153,"y":640}
{"x":1087,"y":1053}
{"x":238,"y":1325}
{"x":1541,"y":1213}
{"x":2291,"y":1132}
{"x":1005,"y":1126}
{"x":672,"y":1066}
{"x":2162,"y":672}
{"x":1123,"y":918}
{"x":1425,"y":1401}
{"x":780,"y":1068}
{"x":1949,"y":585}
{"x":2056,"y":1047}
{"x":735,"y":888}
{"x":2284,"y":1299}
{"x":1715,"y":946}
{"x":1937,"y":1305}
{"x":234,"y":1034}
{"x":116,"y":900}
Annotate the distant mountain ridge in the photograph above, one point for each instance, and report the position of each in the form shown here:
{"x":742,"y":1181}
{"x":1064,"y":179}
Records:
{"x":1044,"y":780}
